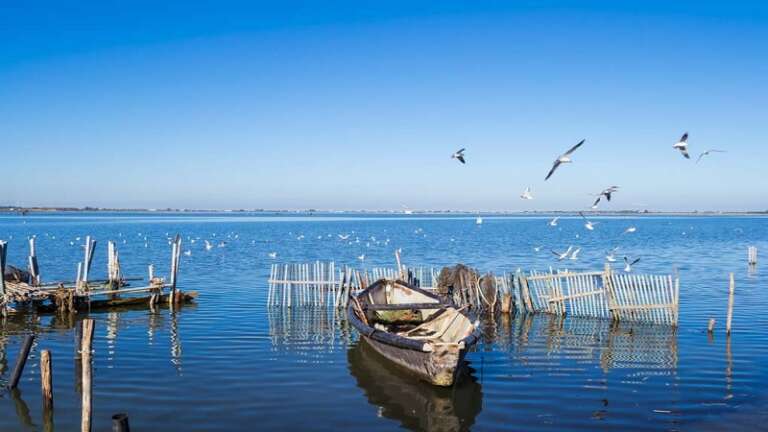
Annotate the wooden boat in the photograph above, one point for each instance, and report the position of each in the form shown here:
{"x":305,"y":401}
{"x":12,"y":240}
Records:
{"x":412,"y":328}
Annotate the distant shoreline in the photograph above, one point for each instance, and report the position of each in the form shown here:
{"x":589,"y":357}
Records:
{"x":39,"y":210}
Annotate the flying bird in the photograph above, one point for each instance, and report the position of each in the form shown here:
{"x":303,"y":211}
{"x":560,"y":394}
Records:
{"x":527,"y":195}
{"x":588,"y":224}
{"x":553,"y":222}
{"x":610,"y":256}
{"x":628,"y":265}
{"x":682,"y":145}
{"x":630,"y":230}
{"x":459,"y":155}
{"x":343,"y":236}
{"x":575,"y":254}
{"x":208,"y":245}
{"x":564,"y":255}
{"x":707,"y":153}
{"x":564,"y":158}
{"x":605,"y":193}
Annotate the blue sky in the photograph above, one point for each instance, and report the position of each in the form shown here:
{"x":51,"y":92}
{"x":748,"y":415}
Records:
{"x":351,"y":105}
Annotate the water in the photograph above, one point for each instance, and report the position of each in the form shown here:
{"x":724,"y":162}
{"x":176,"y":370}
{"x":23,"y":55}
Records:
{"x":226,"y":363}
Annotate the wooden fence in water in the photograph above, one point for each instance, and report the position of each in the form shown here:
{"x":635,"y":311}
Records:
{"x":606,"y":294}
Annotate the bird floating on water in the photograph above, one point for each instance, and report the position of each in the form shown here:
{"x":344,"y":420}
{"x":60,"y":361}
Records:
{"x":682,"y":145}
{"x":708,"y":152}
{"x":605,"y":193}
{"x":527,"y":195}
{"x":563,"y":255}
{"x":563,"y":158}
{"x":459,"y":155}
{"x":588,"y":224}
{"x":628,"y":264}
{"x":188,"y":252}
{"x":630,"y":230}
{"x":272,"y":255}
{"x":361,"y":257}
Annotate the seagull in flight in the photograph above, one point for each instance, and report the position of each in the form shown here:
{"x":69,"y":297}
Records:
{"x":682,"y":145}
{"x":208,"y":245}
{"x":459,"y":155}
{"x":707,"y":153}
{"x":564,"y":255}
{"x":630,"y":230}
{"x":605,"y":193}
{"x":343,"y":236}
{"x":575,"y":254}
{"x":628,"y":265}
{"x":527,"y":195}
{"x":563,"y":158}
{"x":588,"y":224}
{"x":553,"y":222}
{"x":611,"y":255}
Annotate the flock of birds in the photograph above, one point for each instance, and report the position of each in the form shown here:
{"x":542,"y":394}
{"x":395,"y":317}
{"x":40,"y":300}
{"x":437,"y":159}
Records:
{"x":572,"y":253}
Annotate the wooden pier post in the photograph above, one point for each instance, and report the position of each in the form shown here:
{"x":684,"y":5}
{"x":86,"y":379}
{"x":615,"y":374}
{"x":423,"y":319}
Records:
{"x":731,"y":288}
{"x":34,"y":269}
{"x":175,"y":254}
{"x":46,"y":379}
{"x":752,"y":255}
{"x":87,"y":382}
{"x":711,"y":325}
{"x":3,"y":256}
{"x":120,"y":423}
{"x":26,"y":345}
{"x":400,"y":272}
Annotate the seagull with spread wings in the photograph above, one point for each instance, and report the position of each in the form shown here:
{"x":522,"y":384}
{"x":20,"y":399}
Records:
{"x":459,"y":155}
{"x":682,"y":145}
{"x":564,"y":255}
{"x":527,"y":195}
{"x":628,"y":264}
{"x":605,"y":193}
{"x":563,"y":158}
{"x":708,"y":152}
{"x":588,"y":224}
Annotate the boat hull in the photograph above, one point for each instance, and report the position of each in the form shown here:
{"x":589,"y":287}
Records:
{"x":439,"y":367}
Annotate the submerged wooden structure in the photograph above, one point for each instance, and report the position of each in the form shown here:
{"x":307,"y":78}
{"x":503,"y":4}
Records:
{"x":414,"y":329}
{"x":25,"y":287}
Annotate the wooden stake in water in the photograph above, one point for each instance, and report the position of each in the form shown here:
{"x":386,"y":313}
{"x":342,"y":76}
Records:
{"x":87,"y":383}
{"x":3,"y":256}
{"x":752,"y":255}
{"x":711,"y":325}
{"x":731,"y":288}
{"x":46,"y":379}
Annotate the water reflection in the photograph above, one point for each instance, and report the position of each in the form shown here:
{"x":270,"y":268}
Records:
{"x":415,"y":404}
{"x":323,"y":328}
{"x":611,"y":344}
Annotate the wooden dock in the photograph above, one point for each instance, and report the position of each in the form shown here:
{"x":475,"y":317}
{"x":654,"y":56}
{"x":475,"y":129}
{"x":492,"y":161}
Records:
{"x":24,"y":287}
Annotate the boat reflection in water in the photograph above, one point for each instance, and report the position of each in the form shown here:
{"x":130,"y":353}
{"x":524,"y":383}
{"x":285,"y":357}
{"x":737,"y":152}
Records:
{"x":417,"y":405}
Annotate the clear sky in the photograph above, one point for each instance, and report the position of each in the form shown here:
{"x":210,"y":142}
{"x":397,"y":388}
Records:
{"x":359,"y":105}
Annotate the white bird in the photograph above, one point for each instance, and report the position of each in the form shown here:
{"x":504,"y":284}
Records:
{"x":682,"y":145}
{"x":272,"y":255}
{"x":361,"y":257}
{"x":575,"y":254}
{"x":563,"y":158}
{"x":343,"y":236}
{"x":564,"y":255}
{"x":527,"y":194}
{"x":707,"y":153}
{"x":588,"y":224}
{"x":628,"y":265}
{"x":630,"y":230}
{"x":208,"y":245}
{"x":188,"y":252}
{"x":222,"y":244}
{"x":537,"y":248}
{"x":605,"y":193}
{"x":553,"y":222}
{"x":611,"y":255}
{"x":459,"y":155}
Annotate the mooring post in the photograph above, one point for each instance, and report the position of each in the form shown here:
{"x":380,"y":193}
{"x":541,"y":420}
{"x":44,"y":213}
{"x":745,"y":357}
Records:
{"x":400,"y":273}
{"x":175,"y":254}
{"x":26,"y":345}
{"x":752,"y":255}
{"x":3,"y":256}
{"x":731,"y":288}
{"x":711,"y":325}
{"x":46,"y":379}
{"x":120,"y":423}
{"x":34,"y":269}
{"x":87,"y":383}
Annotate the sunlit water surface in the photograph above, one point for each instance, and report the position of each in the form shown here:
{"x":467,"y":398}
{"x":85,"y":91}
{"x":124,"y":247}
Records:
{"x":228,"y":363}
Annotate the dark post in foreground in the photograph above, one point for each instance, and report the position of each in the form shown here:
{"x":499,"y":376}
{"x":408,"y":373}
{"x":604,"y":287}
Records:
{"x":26,"y":345}
{"x":120,"y":423}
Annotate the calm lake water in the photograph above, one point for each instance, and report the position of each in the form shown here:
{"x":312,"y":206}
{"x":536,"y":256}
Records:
{"x":228,"y":363}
